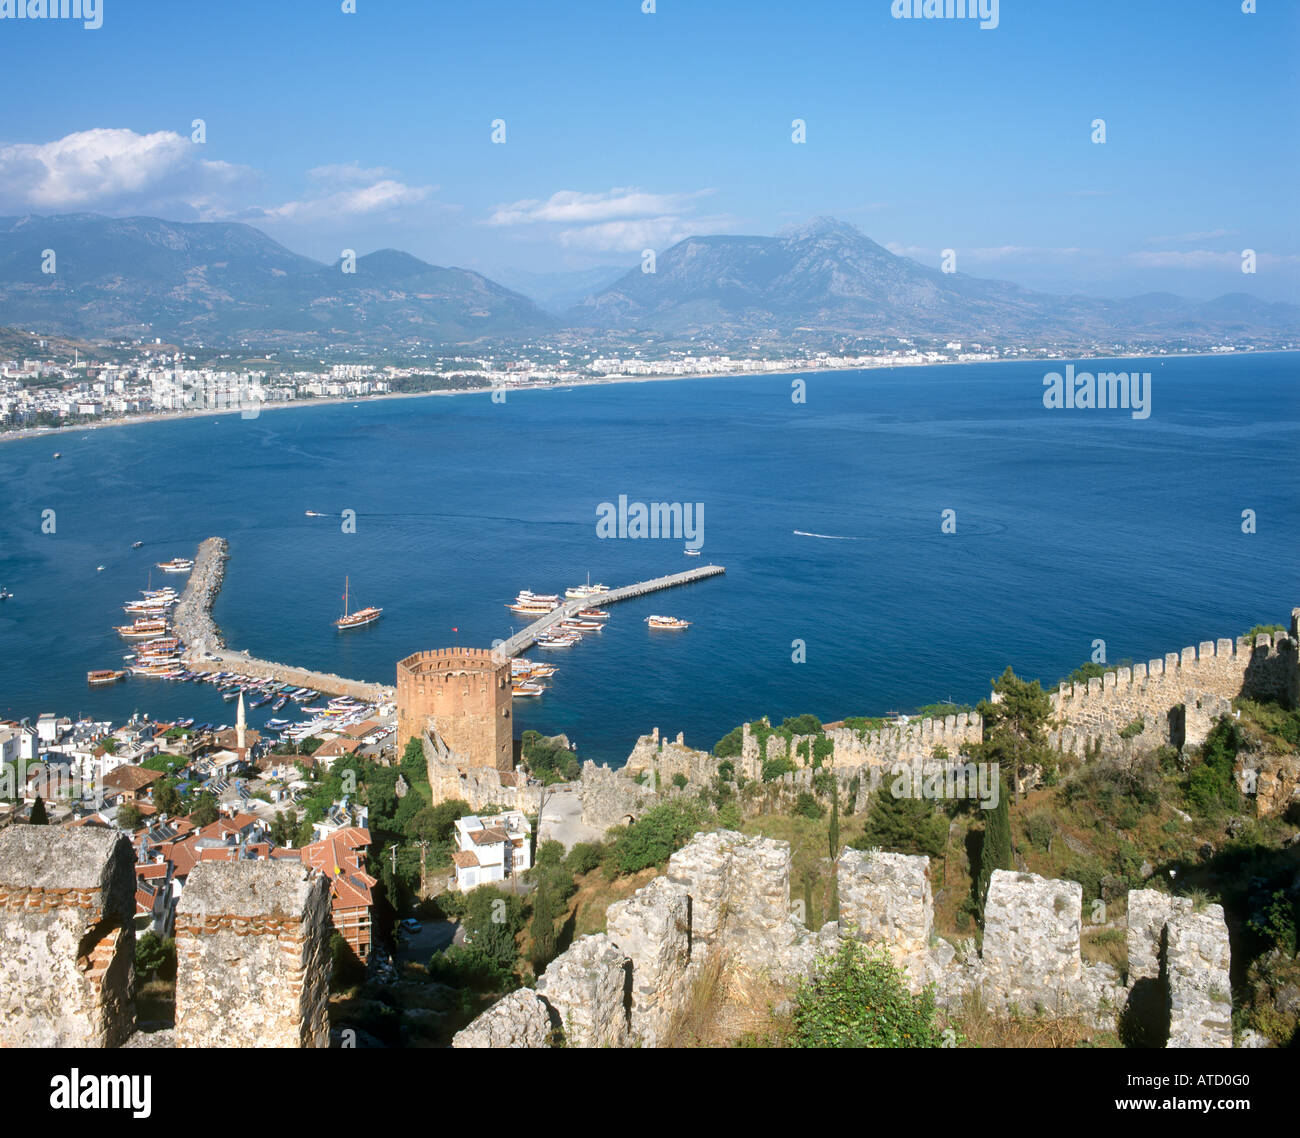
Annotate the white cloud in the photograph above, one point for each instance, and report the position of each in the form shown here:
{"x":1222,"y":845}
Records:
{"x":1208,"y":235}
{"x":632,"y":236}
{"x":572,"y":207}
{"x":378,"y":197}
{"x":1207,"y":259}
{"x":350,"y":174}
{"x":625,"y":219}
{"x":114,"y":170}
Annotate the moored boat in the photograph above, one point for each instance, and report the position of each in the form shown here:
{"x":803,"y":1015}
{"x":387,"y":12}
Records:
{"x":104,"y":676}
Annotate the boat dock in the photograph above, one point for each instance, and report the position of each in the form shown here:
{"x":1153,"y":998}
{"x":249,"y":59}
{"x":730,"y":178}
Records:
{"x":329,"y":684}
{"x":205,"y":649}
{"x":522,"y":641}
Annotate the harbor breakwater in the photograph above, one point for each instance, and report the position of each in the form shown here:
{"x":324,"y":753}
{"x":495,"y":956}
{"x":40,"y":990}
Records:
{"x":206,"y":651}
{"x":193,"y":620}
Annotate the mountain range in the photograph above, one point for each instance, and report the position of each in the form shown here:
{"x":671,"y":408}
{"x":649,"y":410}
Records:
{"x":225,"y":283}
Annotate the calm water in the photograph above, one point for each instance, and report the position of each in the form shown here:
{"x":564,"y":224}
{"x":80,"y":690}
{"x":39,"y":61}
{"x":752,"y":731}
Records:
{"x":1071,"y":526}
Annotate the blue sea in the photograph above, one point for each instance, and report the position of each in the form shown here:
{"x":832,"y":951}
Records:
{"x":1071,"y":526}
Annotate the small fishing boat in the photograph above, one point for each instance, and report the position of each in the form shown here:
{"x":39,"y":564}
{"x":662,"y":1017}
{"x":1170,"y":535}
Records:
{"x":136,"y":544}
{"x":691,"y":552}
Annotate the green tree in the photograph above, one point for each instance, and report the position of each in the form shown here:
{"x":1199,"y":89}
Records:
{"x":549,"y":854}
{"x":730,"y":745}
{"x":204,"y":810}
{"x":38,"y":816}
{"x":1210,"y":787}
{"x":166,"y":797}
{"x":902,"y":824}
{"x":542,"y":929}
{"x":995,"y":852}
{"x":154,"y":954}
{"x":658,"y":833}
{"x":806,"y":806}
{"x":857,"y":998}
{"x":346,"y":971}
{"x":492,"y":920}
{"x":1015,"y":727}
{"x":833,"y":831}
{"x":583,"y":858}
{"x":128,"y":817}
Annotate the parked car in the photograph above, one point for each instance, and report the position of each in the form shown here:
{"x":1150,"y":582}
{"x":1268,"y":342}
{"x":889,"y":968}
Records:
{"x":411,"y":925}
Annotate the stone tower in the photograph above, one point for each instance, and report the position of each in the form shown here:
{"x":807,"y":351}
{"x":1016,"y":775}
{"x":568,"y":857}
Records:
{"x":466,"y":692}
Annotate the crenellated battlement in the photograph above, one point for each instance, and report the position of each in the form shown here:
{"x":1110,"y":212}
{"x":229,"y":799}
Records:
{"x":1176,"y":699}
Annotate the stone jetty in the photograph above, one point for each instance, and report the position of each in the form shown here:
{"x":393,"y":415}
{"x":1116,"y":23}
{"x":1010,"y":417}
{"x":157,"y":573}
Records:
{"x":206,"y":651}
{"x":193,"y":620}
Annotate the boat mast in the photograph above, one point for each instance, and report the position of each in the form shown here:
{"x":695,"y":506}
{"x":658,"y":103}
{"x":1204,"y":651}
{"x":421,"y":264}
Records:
{"x":345,"y":596}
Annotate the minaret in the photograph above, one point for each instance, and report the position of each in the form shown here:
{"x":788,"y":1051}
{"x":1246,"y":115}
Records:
{"x":241,"y":725}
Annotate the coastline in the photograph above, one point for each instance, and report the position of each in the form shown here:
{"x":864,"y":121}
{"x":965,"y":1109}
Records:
{"x":21,"y":433}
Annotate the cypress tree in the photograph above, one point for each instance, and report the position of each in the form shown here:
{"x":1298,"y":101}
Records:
{"x":996,"y":850}
{"x":542,"y":928}
{"x":833,"y":834}
{"x":38,"y":816}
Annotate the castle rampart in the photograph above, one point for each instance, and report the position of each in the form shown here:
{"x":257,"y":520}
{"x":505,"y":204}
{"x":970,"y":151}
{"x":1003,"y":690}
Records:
{"x":67,"y":903}
{"x":252,"y":948}
{"x":729,"y":894}
{"x":252,"y":956}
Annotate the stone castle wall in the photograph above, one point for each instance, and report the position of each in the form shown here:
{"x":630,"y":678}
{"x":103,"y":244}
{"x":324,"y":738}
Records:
{"x":450,"y":779}
{"x":252,"y":956}
{"x":725,"y":893}
{"x":252,"y":948}
{"x":1202,"y":681}
{"x":67,"y":906}
{"x":466,"y":694}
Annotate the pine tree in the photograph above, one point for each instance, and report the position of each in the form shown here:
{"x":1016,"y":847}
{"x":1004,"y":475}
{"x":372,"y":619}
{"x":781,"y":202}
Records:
{"x":996,"y":850}
{"x":38,"y":816}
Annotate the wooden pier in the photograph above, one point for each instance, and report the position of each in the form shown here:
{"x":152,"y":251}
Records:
{"x":522,"y":641}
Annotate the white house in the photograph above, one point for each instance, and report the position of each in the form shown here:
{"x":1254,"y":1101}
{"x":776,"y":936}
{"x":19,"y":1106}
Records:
{"x":491,"y":848}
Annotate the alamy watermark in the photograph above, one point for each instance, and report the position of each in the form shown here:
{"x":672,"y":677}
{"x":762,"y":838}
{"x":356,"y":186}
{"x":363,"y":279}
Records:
{"x":986,"y":11}
{"x":1107,"y":390}
{"x":681,"y":521}
{"x":940,"y":780}
{"x":89,"y":12}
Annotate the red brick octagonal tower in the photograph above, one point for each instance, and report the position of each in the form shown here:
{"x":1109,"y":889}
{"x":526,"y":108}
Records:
{"x":467,"y":693}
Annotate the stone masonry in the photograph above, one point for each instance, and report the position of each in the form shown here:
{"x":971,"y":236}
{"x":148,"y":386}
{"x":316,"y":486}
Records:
{"x":252,"y":955}
{"x":589,"y":988}
{"x":1200,"y":990}
{"x":725,"y":892}
{"x":67,"y":903}
{"x":653,"y":928}
{"x":517,"y":1020}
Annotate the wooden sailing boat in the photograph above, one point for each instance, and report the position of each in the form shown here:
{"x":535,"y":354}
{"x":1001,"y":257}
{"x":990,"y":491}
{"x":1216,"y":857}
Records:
{"x":357,"y":619}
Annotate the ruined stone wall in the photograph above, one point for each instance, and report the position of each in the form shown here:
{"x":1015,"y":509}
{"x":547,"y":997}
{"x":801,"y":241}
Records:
{"x":67,"y":938}
{"x":466,"y":694}
{"x":479,"y":786}
{"x":610,"y":797}
{"x":729,"y":894}
{"x":252,"y":956}
{"x":588,"y":987}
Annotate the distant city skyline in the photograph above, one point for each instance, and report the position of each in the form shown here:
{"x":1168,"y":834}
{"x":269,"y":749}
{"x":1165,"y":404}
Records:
{"x":375,"y":130}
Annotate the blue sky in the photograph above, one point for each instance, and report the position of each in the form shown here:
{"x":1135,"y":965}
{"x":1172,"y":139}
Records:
{"x":626,"y":130}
